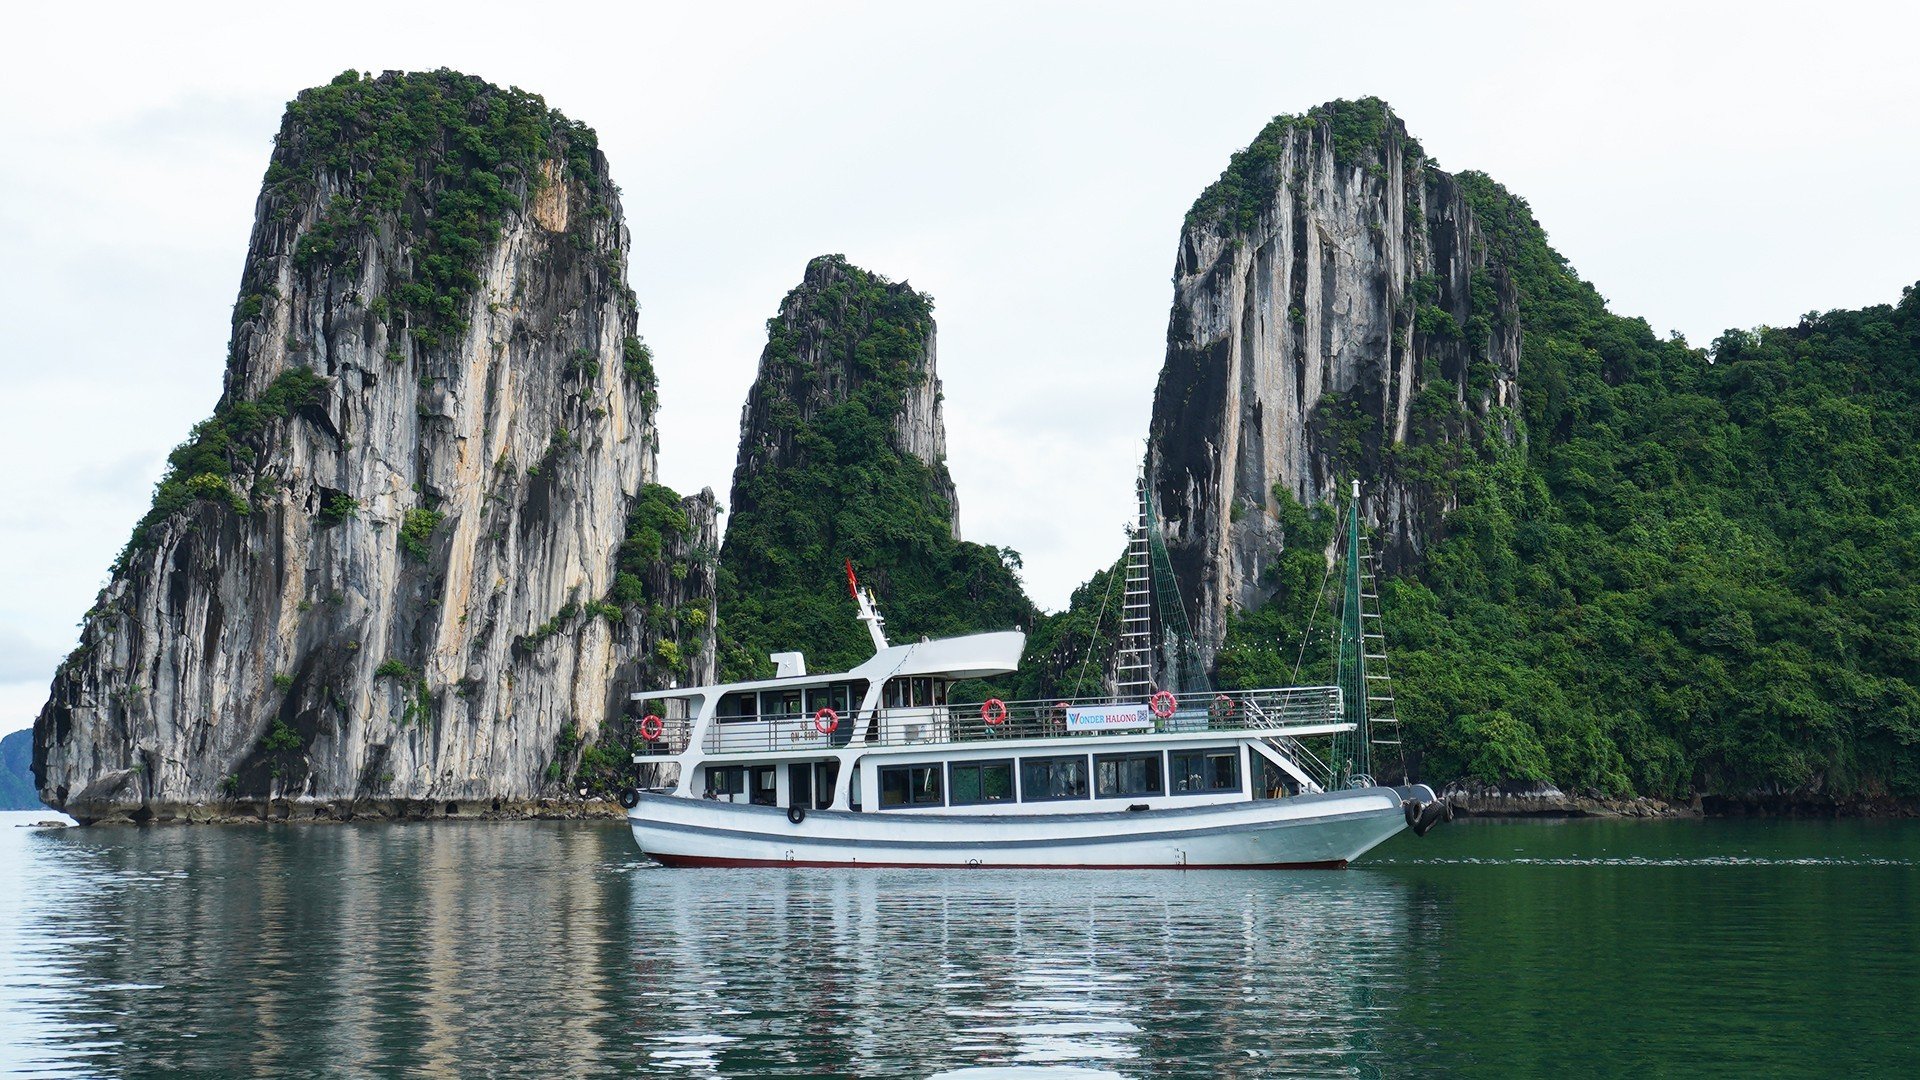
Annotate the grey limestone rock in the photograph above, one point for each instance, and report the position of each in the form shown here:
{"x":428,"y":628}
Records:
{"x":390,"y":601}
{"x":1319,"y":289}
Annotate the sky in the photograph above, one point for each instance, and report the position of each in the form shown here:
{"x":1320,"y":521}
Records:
{"x":1028,"y":164}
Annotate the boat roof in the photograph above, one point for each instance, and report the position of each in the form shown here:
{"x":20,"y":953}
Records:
{"x":970,"y":656}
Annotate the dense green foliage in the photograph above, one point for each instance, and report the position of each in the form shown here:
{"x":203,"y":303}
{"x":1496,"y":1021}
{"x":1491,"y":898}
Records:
{"x":1696,"y":573}
{"x":416,"y":532}
{"x":1355,"y":130}
{"x":441,"y":155}
{"x":203,"y":467}
{"x":847,"y":491}
{"x":654,"y":519}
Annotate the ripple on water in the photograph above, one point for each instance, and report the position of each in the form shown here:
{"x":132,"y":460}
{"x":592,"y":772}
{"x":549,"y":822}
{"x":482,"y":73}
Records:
{"x":509,"y":949}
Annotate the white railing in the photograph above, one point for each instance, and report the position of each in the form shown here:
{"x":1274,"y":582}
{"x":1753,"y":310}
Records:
{"x":1251,"y":710}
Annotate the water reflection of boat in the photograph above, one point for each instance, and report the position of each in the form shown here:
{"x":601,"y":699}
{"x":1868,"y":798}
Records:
{"x":882,"y":766}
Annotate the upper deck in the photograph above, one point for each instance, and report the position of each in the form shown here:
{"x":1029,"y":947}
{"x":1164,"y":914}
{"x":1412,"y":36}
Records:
{"x":794,"y":722}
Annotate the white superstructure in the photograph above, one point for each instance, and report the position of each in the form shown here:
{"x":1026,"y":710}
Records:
{"x":881,"y":766}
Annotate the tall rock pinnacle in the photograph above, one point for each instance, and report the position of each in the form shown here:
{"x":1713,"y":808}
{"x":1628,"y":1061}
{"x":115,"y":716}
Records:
{"x":390,"y":566}
{"x":1333,"y":305}
{"x":843,"y":457}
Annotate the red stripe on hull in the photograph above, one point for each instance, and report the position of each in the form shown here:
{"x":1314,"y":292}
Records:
{"x":710,"y":861}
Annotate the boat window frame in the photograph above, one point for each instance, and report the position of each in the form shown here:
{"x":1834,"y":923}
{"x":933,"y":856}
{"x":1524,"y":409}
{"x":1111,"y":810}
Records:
{"x":1159,"y":766}
{"x":1086,"y":776}
{"x":721,"y":715}
{"x":734,"y":772}
{"x":1231,"y":753}
{"x":932,"y":768}
{"x":755,"y":773}
{"x":1013,"y":781}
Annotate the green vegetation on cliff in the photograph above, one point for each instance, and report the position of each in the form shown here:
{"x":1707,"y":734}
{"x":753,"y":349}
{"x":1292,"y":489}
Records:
{"x":441,"y":155}
{"x":847,"y":490}
{"x":1353,"y":128}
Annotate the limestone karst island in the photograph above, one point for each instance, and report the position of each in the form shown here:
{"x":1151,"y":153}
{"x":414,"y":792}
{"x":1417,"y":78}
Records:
{"x":1472,"y":679}
{"x":417,"y":562}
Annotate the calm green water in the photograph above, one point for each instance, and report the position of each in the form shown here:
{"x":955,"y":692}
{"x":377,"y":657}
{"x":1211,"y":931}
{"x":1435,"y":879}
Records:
{"x":541,"y":949}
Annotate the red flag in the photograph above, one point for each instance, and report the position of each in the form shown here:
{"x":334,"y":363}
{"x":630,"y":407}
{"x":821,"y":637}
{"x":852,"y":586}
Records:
{"x":852,"y":585}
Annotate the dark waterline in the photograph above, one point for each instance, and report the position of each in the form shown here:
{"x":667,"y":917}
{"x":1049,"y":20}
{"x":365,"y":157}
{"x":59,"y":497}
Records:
{"x":543,"y":948}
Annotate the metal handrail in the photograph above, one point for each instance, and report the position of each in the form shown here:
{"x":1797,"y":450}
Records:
{"x":1035,"y":719}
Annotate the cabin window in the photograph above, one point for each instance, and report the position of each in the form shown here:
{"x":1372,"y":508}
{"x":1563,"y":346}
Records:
{"x":1271,"y":781}
{"x":910,"y":785}
{"x":829,"y":697}
{"x":853,"y":790}
{"x":726,"y":783}
{"x":1213,"y":769}
{"x":1117,"y":775}
{"x":738,"y":708}
{"x":973,"y":782}
{"x":1047,"y":778}
{"x":780,"y":704}
{"x":762,"y":785}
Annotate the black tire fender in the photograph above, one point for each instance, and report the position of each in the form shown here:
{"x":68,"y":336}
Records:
{"x":796,"y":813}
{"x":629,"y":798}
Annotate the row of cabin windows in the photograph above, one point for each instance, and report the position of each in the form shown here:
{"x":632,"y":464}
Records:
{"x":756,"y":784}
{"x":744,"y":705}
{"x":1043,"y":779}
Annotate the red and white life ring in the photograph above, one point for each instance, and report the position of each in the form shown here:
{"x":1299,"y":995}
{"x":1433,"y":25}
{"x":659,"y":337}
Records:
{"x":1162,"y":703}
{"x":1222,"y":707}
{"x":652,"y":727}
{"x":993,"y":711}
{"x":826,"y":720}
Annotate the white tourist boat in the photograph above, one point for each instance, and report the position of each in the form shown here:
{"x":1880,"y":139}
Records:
{"x":881,"y":767}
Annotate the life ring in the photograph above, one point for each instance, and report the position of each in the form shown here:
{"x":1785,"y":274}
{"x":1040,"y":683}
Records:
{"x":1221,"y":708}
{"x":1162,"y":703}
{"x":994,"y":711}
{"x":825,"y":721}
{"x":652,"y":727}
{"x":796,"y":813}
{"x":629,"y":798}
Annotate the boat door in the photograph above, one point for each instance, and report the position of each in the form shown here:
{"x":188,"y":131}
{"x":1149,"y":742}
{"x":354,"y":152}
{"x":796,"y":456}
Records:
{"x":800,"y":785}
{"x":810,"y":783}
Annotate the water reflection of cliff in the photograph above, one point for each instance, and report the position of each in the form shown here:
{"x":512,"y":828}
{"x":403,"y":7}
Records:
{"x":453,"y":950}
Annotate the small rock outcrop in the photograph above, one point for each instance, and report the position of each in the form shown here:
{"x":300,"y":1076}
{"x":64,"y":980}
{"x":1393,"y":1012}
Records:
{"x":843,"y":457}
{"x":1334,"y":310}
{"x":398,"y":567}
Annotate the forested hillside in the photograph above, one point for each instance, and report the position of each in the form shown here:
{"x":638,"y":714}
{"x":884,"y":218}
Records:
{"x":1694,"y":572}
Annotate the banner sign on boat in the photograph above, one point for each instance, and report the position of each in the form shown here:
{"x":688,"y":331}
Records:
{"x":1108,"y":717}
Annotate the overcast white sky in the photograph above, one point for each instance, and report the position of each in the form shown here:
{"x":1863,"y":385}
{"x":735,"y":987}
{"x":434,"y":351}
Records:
{"x":1028,"y":164}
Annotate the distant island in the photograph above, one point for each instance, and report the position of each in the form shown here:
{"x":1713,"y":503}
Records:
{"x":16,"y":775}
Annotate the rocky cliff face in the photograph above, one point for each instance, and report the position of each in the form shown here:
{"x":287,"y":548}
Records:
{"x":1335,"y":318}
{"x":842,"y":457}
{"x":820,"y":354}
{"x":389,"y":570}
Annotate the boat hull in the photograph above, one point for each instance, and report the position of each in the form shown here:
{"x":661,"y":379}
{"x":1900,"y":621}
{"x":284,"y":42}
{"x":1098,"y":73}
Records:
{"x":1307,"y":832}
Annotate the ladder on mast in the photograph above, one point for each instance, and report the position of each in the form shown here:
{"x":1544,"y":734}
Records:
{"x":1363,"y":674}
{"x":1133,"y":674}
